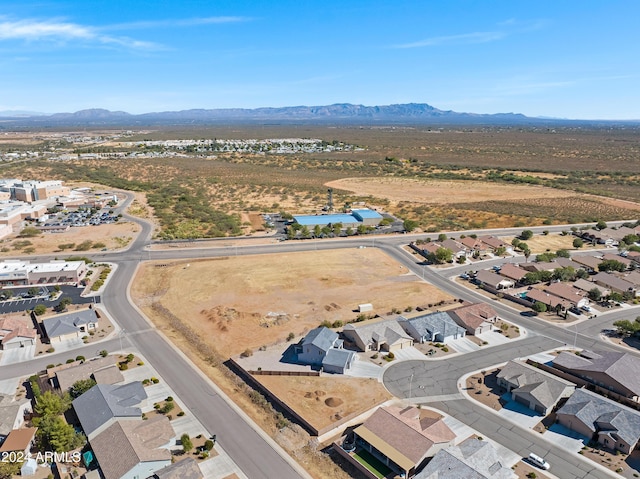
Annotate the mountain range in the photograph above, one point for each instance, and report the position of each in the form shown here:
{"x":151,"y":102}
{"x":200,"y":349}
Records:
{"x":341,"y":113}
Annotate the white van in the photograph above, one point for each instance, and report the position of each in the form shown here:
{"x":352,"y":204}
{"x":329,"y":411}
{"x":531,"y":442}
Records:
{"x":538,"y":461}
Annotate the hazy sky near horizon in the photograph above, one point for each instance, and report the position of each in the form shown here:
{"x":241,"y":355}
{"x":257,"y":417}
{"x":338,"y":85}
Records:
{"x":569,"y":59}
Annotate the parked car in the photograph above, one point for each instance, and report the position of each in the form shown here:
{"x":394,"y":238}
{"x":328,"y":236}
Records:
{"x":539,"y":462}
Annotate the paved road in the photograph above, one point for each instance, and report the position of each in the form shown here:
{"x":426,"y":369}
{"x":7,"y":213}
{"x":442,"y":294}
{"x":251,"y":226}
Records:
{"x":249,"y":450}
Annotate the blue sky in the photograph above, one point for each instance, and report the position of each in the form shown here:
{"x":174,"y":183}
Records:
{"x":569,"y":59}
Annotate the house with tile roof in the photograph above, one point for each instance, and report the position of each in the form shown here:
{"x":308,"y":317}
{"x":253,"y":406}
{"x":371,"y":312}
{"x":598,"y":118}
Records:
{"x":134,"y":448}
{"x":588,"y":262}
{"x":476,"y":318}
{"x":613,"y":425}
{"x":70,"y":325}
{"x":493,"y":242}
{"x":377,"y":335}
{"x":401,"y":439}
{"x":613,"y":370}
{"x":532,"y":387}
{"x":550,"y":300}
{"x":471,"y":459}
{"x":614,"y":283}
{"x":576,"y":297}
{"x":437,"y":327}
{"x":513,"y":272}
{"x":587,"y":286}
{"x":16,"y":333}
{"x":103,"y":404}
{"x":493,"y":280}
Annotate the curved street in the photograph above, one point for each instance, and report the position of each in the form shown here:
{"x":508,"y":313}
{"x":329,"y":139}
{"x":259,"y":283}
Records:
{"x":432,"y":382}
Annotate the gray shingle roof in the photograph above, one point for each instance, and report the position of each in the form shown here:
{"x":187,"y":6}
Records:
{"x":69,"y":323}
{"x":471,"y":459}
{"x":323,"y":338}
{"x":438,"y":322}
{"x":389,"y":330}
{"x":601,"y":414}
{"x":622,"y":368}
{"x":185,"y":469}
{"x":543,"y":387}
{"x":104,"y":402}
{"x":338,"y":357}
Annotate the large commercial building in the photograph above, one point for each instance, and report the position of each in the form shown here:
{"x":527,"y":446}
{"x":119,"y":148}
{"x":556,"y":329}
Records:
{"x":24,"y":273}
{"x":30,"y":191}
{"x":354,"y":219}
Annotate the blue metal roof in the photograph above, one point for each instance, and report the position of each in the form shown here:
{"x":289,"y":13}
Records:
{"x":366,"y":213}
{"x":322,"y":220}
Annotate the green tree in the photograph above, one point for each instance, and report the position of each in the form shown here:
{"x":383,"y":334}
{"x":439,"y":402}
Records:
{"x":55,"y":434}
{"x":526,"y":235}
{"x":208,"y":445}
{"x":578,"y":243}
{"x":615,"y":296}
{"x":29,"y":232}
{"x":40,"y":309}
{"x":443,"y":255}
{"x":33,"y":291}
{"x":185,"y":440}
{"x":612,"y":265}
{"x":442,"y":237}
{"x":564,"y":274}
{"x":595,"y":294}
{"x":317,"y":231}
{"x":627,"y":328}
{"x":563,"y":253}
{"x":515,"y":243}
{"x":9,"y":469}
{"x":500,"y":251}
{"x":409,"y":225}
{"x":81,"y":386}
{"x":600,"y":225}
{"x":304,"y":232}
{"x":539,"y":307}
{"x":336,"y":228}
{"x":52,"y":404}
{"x":62,"y":305}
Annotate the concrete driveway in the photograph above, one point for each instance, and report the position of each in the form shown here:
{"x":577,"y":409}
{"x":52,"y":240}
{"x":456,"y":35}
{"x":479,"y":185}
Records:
{"x":463,"y":345}
{"x":18,"y":355}
{"x":408,"y":353}
{"x":363,"y":368}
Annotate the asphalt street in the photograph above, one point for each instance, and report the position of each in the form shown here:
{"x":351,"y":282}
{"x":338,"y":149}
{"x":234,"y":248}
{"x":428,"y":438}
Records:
{"x":429,"y":379}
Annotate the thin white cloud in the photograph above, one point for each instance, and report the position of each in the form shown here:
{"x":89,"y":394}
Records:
{"x":464,"y":38}
{"x":186,"y":22}
{"x":34,"y":30}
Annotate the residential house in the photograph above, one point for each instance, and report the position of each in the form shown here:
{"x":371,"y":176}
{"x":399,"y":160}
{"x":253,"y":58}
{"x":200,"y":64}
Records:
{"x":588,"y":262}
{"x":16,"y":333}
{"x":437,"y":327}
{"x":550,"y":300}
{"x":614,"y":283}
{"x":471,"y":459}
{"x":314,"y":346}
{"x":103,"y":404}
{"x":493,"y":280}
{"x":568,"y":263}
{"x":71,"y":325}
{"x":587,"y":286}
{"x":19,"y":440}
{"x":401,"y":439}
{"x":133,"y":449}
{"x":65,"y":375}
{"x":185,"y":469}
{"x":613,"y":425}
{"x":381,"y":335}
{"x":493,"y":243}
{"x":476,"y":318}
{"x":431,"y":247}
{"x":634,"y":277}
{"x":474,"y":245}
{"x":513,"y":272}
{"x":322,"y":347}
{"x":576,"y":297}
{"x":540,"y":266}
{"x":12,"y":414}
{"x":536,"y":389}
{"x":616,"y":371}
{"x":456,"y":246}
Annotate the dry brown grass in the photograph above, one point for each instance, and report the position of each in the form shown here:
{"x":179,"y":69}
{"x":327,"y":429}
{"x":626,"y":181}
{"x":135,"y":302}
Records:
{"x":230,"y":299}
{"x":543,"y":243}
{"x":324,"y":400}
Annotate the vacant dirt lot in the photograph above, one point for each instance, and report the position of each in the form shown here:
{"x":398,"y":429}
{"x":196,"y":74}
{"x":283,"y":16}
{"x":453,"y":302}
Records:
{"x":442,"y":192}
{"x":251,"y":301}
{"x":110,"y":236}
{"x":552,"y":242}
{"x":324,"y":400}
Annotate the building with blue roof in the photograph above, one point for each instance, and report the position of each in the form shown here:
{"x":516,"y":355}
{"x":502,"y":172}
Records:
{"x":356,"y":218}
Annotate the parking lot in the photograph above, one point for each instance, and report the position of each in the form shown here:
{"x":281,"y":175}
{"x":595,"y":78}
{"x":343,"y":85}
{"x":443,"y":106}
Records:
{"x":22,"y":300}
{"x":82,"y":217}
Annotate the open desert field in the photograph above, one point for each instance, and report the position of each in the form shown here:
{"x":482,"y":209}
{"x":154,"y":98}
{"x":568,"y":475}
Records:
{"x":251,"y":301}
{"x":442,"y":191}
{"x":111,"y":236}
{"x":324,"y":400}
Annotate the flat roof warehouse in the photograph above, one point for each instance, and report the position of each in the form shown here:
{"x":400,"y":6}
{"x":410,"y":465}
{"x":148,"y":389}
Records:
{"x":356,"y":217}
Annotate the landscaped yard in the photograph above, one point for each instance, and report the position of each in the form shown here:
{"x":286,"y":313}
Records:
{"x":370,"y":462}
